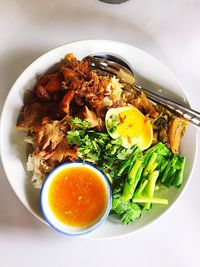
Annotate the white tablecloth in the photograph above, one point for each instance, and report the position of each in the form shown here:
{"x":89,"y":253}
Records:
{"x":170,"y":31}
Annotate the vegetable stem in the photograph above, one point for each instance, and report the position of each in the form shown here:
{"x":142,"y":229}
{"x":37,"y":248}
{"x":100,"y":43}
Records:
{"x":155,"y":200}
{"x":132,"y":180}
{"x":178,"y":180}
{"x":123,"y":167}
{"x":141,"y":187}
{"x":150,"y":188}
{"x":150,"y":164}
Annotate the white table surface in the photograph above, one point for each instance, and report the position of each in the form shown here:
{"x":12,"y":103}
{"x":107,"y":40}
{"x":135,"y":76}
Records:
{"x":170,"y":31}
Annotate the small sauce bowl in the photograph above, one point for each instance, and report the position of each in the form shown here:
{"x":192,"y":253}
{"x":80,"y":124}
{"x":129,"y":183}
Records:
{"x":75,"y":198}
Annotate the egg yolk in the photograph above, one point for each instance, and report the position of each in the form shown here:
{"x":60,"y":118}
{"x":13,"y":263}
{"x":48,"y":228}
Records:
{"x":131,"y":123}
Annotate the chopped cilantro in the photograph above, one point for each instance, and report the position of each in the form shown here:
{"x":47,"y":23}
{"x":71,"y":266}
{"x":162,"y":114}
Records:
{"x":112,"y":124}
{"x":73,"y":137}
{"x":80,"y":123}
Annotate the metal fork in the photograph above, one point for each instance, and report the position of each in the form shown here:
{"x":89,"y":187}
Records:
{"x":117,"y":67}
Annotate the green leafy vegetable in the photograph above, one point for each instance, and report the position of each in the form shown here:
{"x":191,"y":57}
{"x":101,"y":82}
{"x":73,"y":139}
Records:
{"x":171,"y":167}
{"x":141,"y":187}
{"x":150,"y":164}
{"x":112,"y":124}
{"x":74,"y":137}
{"x":79,"y":123}
{"x":132,"y":180}
{"x":150,"y":187}
{"x":127,"y":210}
{"x":173,"y":173}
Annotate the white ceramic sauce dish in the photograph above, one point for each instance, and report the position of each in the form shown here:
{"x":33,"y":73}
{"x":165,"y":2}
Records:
{"x":84,"y":170}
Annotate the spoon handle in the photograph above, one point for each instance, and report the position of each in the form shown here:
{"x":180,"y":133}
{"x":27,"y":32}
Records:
{"x":189,"y":114}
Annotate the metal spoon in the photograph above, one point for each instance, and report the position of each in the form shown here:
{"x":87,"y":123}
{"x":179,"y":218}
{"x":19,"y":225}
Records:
{"x":114,"y":65}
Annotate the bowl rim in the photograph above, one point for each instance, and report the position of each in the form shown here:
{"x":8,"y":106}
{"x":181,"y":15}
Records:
{"x":111,"y":42}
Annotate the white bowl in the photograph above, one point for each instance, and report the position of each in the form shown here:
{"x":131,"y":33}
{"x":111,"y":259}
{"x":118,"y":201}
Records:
{"x":149,"y":72}
{"x":52,"y":219}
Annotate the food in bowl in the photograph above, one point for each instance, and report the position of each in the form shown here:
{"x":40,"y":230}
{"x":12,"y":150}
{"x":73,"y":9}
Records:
{"x":74,"y":113}
{"x":75,"y":198}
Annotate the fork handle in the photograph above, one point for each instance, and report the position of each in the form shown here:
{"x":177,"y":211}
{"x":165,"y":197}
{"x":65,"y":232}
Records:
{"x":189,"y":114}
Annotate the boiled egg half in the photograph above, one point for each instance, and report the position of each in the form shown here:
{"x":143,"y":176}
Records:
{"x":131,"y":125}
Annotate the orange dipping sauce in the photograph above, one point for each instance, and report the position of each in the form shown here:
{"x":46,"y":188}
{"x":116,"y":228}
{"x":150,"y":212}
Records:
{"x":77,"y":196}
